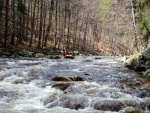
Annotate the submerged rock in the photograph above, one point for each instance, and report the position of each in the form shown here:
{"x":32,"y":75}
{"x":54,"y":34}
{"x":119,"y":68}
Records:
{"x":50,"y":99}
{"x":18,"y":81}
{"x":108,"y":105}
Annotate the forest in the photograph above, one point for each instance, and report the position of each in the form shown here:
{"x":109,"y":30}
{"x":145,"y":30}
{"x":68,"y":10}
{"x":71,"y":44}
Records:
{"x":108,"y":27}
{"x":74,"y":56}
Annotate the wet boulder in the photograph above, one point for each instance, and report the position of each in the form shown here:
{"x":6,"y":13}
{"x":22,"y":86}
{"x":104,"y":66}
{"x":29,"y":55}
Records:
{"x":139,"y":62}
{"x":132,"y":110}
{"x":146,"y":54}
{"x":77,"y":78}
{"x":39,"y":55}
{"x":61,"y":78}
{"x":76,"y":103}
{"x":130,"y":103}
{"x":26,"y":53}
{"x":61,"y":85}
{"x":109,"y":105}
{"x":5,"y":53}
{"x":18,"y":81}
{"x":132,"y":62}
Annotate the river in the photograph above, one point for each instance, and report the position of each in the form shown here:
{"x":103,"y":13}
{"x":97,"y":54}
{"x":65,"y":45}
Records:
{"x":108,"y":87}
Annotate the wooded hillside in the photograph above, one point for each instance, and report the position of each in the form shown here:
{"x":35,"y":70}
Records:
{"x":110,"y":27}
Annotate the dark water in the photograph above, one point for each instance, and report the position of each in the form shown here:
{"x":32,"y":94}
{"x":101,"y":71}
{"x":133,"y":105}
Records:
{"x":26,"y":86}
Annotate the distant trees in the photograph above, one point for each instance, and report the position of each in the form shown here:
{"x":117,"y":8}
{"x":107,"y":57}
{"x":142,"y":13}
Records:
{"x":143,"y":19}
{"x":53,"y":23}
{"x":93,"y":25}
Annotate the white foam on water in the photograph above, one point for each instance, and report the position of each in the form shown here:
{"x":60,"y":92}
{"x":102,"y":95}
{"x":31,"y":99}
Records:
{"x":29,"y":105}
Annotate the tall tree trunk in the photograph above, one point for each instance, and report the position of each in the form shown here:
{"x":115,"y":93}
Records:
{"x":134,"y":24}
{"x":6,"y":22}
{"x":85,"y":34}
{"x":68,"y":35}
{"x":32,"y":24}
{"x":41,"y":25}
{"x":27,"y":19}
{"x":55,"y":38}
{"x":24,"y":23}
{"x":37,"y":19}
{"x":2,"y":2}
{"x":76,"y":31}
{"x":44,"y":24}
{"x":13,"y":24}
{"x":50,"y":22}
{"x":59,"y":24}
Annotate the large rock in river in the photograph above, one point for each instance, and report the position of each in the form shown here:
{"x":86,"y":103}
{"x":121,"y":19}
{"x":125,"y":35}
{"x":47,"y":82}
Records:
{"x":26,"y":53}
{"x":109,"y":105}
{"x":146,"y":54}
{"x":39,"y":55}
{"x":132,"y":110}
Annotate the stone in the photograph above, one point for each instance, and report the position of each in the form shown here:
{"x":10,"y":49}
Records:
{"x":18,"y":81}
{"x":98,"y":58}
{"x":60,"y":78}
{"x":132,"y":110}
{"x":132,"y":62}
{"x":39,"y":55}
{"x":78,"y":78}
{"x":146,"y":54}
{"x":26,"y":53}
{"x":109,"y":105}
{"x":147,"y":73}
{"x":61,"y":85}
{"x":76,"y":103}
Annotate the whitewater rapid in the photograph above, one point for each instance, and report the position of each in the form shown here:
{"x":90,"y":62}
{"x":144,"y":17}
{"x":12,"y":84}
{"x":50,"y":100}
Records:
{"x":26,"y":85}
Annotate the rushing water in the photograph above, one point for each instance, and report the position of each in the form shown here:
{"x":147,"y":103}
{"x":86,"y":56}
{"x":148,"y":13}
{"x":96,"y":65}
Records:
{"x":26,"y":86}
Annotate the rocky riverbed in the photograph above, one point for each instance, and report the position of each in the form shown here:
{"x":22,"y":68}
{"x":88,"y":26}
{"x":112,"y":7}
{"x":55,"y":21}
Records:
{"x":87,"y":84}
